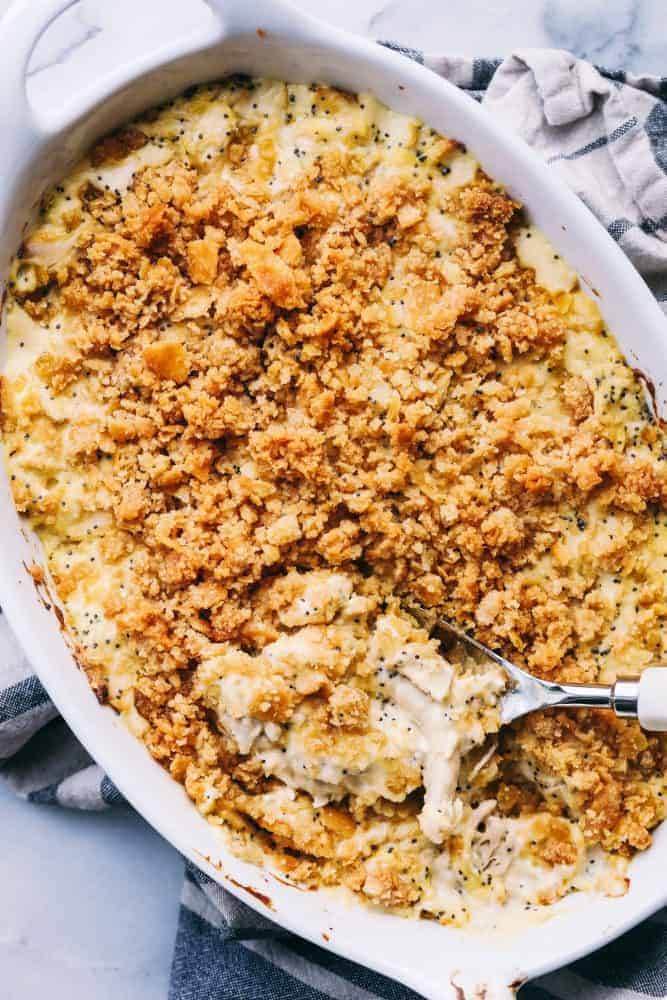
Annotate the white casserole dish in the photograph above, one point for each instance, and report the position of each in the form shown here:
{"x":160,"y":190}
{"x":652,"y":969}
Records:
{"x":272,"y":39}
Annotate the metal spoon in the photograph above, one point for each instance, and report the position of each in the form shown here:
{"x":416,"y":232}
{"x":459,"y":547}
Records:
{"x":643,"y":698}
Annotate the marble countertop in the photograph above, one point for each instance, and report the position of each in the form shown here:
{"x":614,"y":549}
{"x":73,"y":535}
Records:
{"x":90,"y":902}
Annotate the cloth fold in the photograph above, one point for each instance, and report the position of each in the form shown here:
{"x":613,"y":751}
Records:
{"x":606,"y":134}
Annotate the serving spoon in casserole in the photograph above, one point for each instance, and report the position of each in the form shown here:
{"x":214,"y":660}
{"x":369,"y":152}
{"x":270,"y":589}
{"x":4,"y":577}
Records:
{"x":643,"y":698}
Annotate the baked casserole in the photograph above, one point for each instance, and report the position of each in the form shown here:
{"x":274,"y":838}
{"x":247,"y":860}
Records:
{"x":284,"y":365}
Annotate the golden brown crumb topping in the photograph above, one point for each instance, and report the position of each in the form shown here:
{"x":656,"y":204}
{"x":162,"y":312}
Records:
{"x":272,"y":332}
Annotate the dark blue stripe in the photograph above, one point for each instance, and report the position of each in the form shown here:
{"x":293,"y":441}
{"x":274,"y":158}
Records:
{"x":651,"y":226}
{"x":483,"y":71}
{"x":415,"y":54}
{"x":617,"y":228}
{"x":197,"y":877}
{"x":21,"y":698}
{"x":530,"y":992}
{"x":206,"y":967}
{"x":362,"y":977}
{"x":603,"y":140}
{"x":254,"y":934}
{"x":636,"y":961}
{"x":656,"y":130}
{"x":46,"y":796}
{"x":110,"y":793}
{"x":617,"y":75}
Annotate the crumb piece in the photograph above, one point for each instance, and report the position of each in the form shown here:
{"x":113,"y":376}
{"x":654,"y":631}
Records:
{"x":168,"y":360}
{"x":348,"y":706}
{"x":203,"y":261}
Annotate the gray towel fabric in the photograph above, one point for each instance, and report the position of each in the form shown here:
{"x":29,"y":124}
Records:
{"x":606,"y":134}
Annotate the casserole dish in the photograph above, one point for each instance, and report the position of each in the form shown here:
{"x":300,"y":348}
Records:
{"x":273,"y":40}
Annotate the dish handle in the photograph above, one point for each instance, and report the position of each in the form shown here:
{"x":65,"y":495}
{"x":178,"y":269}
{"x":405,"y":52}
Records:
{"x":20,"y":29}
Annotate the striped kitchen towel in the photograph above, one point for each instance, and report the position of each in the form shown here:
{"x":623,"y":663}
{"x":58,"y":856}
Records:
{"x":606,"y":134}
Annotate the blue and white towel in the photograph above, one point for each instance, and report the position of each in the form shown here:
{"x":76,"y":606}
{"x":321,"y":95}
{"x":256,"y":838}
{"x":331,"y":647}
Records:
{"x":606,"y":134}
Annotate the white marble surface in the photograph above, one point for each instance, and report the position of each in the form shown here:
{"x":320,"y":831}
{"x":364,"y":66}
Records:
{"x":89,"y":902}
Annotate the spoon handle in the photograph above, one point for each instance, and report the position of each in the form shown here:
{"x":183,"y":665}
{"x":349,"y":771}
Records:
{"x":643,"y":698}
{"x":652,"y":700}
